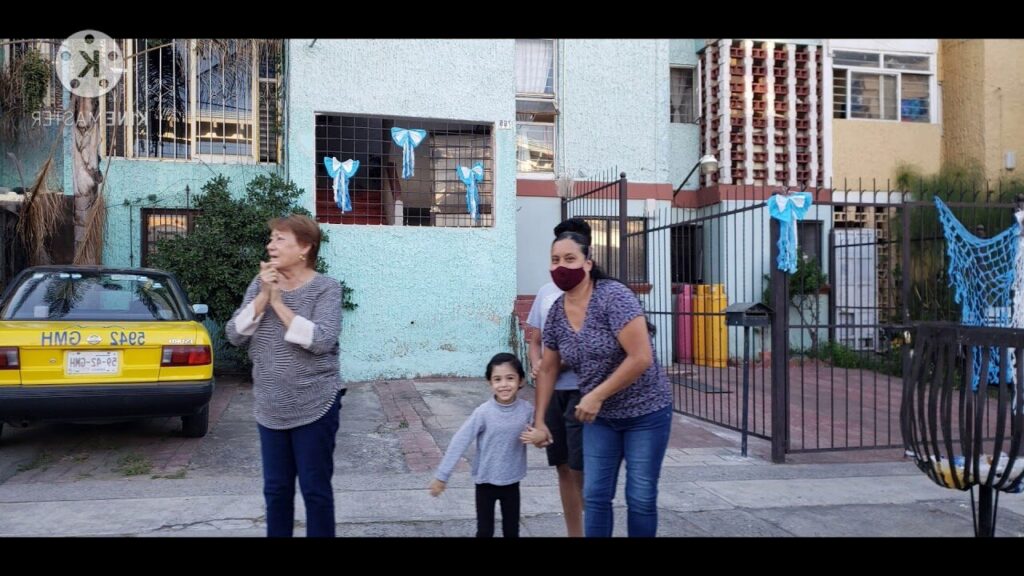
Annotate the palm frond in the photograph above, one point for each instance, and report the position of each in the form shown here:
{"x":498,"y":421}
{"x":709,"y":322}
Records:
{"x":40,"y":216}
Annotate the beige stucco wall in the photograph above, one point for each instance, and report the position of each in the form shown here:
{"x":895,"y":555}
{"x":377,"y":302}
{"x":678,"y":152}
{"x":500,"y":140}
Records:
{"x":963,"y":106}
{"x":983,"y":107}
{"x":982,"y":118}
{"x":870,"y":150}
{"x":1004,"y":104}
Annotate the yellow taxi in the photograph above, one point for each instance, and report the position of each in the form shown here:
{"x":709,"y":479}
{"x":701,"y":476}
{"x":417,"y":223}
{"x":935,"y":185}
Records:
{"x":99,"y":343}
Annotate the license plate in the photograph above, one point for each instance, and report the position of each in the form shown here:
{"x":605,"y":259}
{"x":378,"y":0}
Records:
{"x":93,"y":363}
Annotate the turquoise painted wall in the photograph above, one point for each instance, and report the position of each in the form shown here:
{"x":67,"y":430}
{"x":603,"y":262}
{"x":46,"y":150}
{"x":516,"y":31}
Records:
{"x":135,"y":180}
{"x":30,"y":152}
{"x":432,"y":301}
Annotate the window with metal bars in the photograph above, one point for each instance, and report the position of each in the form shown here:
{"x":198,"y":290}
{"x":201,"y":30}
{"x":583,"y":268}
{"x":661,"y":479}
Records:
{"x":217,"y":101}
{"x":604,"y":246}
{"x":16,"y":48}
{"x":432,"y":195}
{"x":881,"y":86}
{"x":681,"y":107}
{"x":687,"y":254}
{"x":161,"y":223}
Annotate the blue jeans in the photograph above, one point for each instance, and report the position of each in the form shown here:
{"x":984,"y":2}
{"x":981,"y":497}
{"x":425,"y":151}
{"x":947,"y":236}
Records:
{"x":641,"y":441}
{"x":306,"y":451}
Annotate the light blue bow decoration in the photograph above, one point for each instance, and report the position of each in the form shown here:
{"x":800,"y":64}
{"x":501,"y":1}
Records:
{"x":788,"y":210}
{"x":408,"y":139}
{"x":341,"y":172}
{"x":469,"y":177}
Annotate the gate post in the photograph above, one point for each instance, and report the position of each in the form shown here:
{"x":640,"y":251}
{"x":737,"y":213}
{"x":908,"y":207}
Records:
{"x":623,"y":252}
{"x":906,"y":279}
{"x":832,"y":278}
{"x":780,"y":349}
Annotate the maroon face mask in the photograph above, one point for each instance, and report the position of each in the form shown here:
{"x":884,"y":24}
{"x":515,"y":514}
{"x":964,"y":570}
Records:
{"x":567,"y":278}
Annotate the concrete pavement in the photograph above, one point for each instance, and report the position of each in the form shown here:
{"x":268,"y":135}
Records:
{"x":143,"y":479}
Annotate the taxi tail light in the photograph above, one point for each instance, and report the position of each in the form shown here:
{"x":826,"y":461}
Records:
{"x":9,"y":358}
{"x":185,"y":356}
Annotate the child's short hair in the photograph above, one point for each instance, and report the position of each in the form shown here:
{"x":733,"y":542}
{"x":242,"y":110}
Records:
{"x":505,"y":358}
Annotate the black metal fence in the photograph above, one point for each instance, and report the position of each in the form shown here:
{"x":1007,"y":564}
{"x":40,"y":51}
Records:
{"x":702,"y":259}
{"x":886,"y":265}
{"x":601,"y":200}
{"x":827,"y":374}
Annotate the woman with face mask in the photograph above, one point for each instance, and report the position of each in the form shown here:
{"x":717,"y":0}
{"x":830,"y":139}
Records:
{"x":599,"y":330}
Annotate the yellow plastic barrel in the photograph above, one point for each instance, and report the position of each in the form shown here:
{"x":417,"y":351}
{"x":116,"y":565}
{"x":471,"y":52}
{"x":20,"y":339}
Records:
{"x":710,"y":340}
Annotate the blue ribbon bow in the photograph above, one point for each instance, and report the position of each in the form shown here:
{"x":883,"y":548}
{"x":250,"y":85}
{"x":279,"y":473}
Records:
{"x":787,"y":210}
{"x":408,"y":139}
{"x":469,"y":177}
{"x":341,"y":172}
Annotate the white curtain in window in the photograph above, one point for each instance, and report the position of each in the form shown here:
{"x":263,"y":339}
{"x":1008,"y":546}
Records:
{"x":534,"y":60}
{"x":681,"y":95}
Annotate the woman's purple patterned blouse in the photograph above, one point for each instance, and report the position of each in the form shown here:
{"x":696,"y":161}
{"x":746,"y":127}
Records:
{"x":594,"y":352}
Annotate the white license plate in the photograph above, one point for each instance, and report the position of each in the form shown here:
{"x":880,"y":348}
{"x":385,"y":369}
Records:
{"x":93,"y":363}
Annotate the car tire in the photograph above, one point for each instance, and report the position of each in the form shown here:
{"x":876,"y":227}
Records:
{"x":196,"y":425}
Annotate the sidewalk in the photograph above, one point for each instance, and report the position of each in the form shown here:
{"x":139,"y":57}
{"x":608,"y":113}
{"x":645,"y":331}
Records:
{"x":394,"y":433}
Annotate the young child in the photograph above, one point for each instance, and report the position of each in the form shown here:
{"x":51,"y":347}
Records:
{"x":500,"y":462}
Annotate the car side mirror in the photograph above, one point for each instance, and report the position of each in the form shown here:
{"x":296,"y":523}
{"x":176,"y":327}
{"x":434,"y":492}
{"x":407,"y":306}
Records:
{"x":200,"y":310}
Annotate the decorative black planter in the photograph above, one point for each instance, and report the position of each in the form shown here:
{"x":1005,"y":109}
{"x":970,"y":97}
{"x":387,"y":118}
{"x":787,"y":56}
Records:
{"x":964,"y":434}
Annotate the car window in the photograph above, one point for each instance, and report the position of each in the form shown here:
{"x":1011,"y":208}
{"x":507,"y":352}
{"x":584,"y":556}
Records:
{"x":93,"y":296}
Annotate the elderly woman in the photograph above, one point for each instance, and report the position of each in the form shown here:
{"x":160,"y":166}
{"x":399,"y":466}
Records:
{"x":598,"y":329}
{"x":290,"y":320}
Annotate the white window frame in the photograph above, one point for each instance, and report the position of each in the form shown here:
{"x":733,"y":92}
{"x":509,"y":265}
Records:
{"x":542,"y":97}
{"x":880,"y":70}
{"x":193,"y":116}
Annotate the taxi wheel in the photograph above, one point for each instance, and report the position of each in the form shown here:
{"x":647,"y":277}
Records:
{"x":196,"y":425}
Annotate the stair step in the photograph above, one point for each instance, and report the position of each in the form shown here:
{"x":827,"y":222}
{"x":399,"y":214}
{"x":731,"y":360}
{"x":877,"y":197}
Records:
{"x":367,"y":208}
{"x":363,"y":219}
